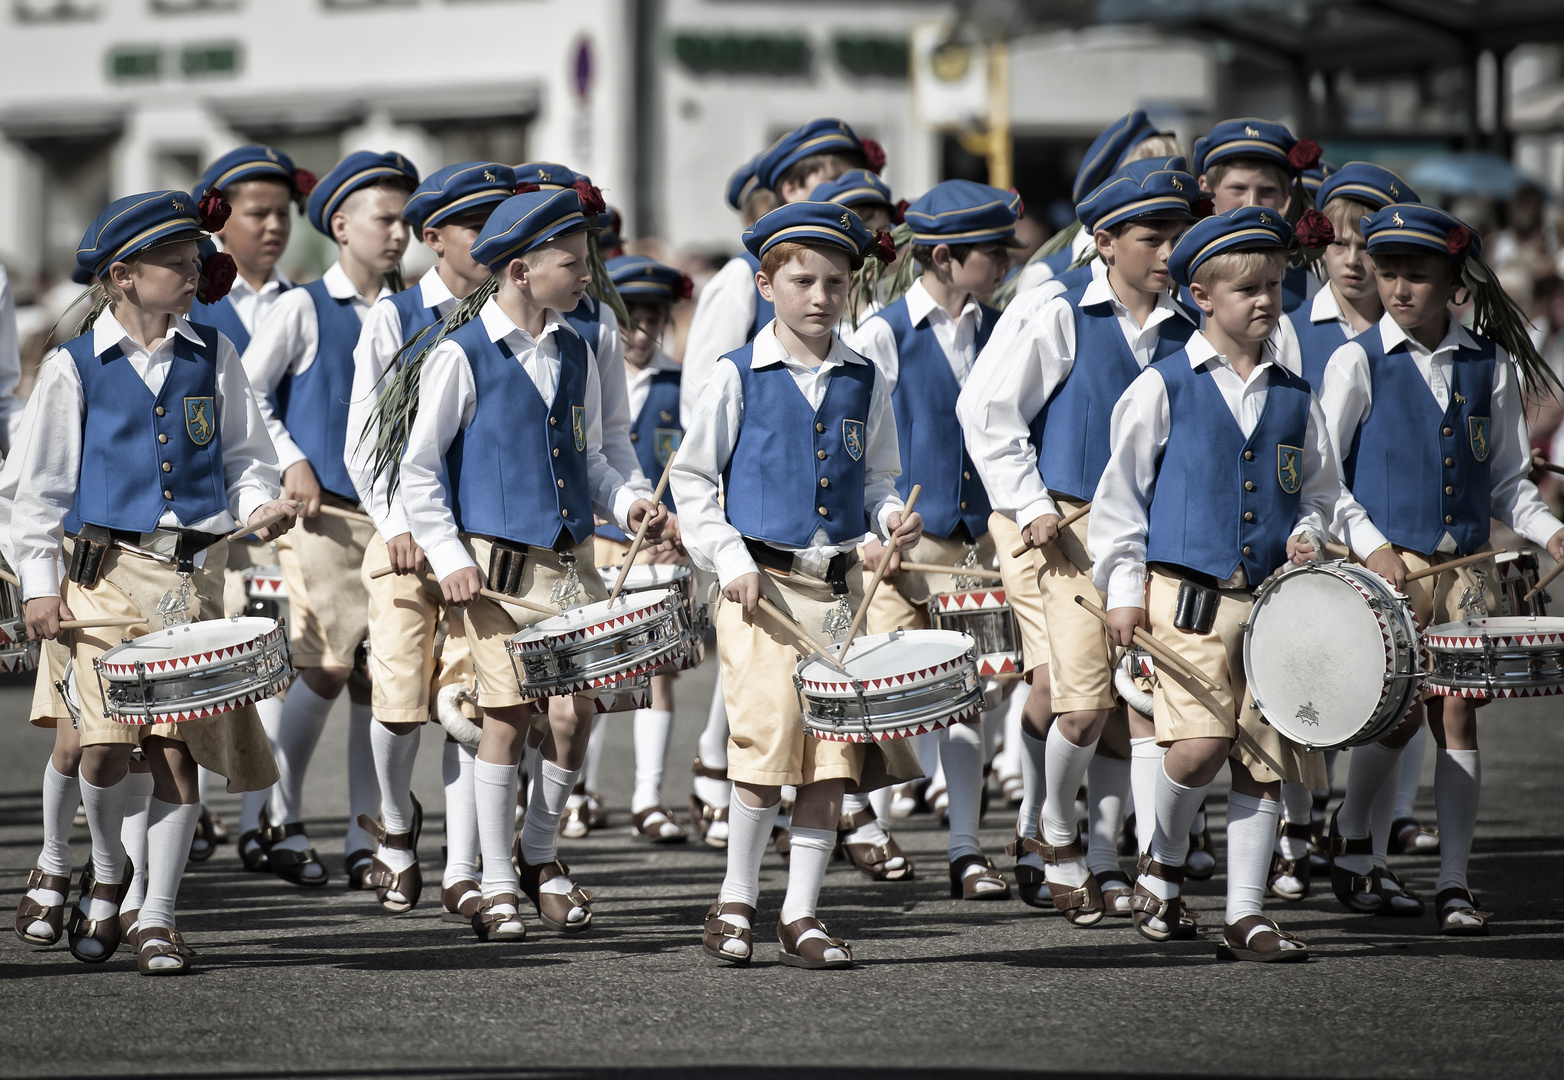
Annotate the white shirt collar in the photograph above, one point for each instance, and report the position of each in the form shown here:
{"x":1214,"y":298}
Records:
{"x":1100,"y":291}
{"x":920,"y":305}
{"x":660,"y":362}
{"x":340,"y":287}
{"x":276,"y":283}
{"x":768,"y":350}
{"x":1456,"y":337}
{"x":435,"y":290}
{"x":499,"y":325}
{"x":107,"y":332}
{"x":1325,"y":307}
{"x":1202,"y":352}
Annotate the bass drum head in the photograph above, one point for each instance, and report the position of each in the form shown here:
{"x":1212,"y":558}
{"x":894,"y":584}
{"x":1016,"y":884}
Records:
{"x":1316,"y":658}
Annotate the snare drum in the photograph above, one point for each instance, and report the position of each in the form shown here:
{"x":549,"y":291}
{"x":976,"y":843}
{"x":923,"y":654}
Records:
{"x":677,"y":578}
{"x":1501,"y":657}
{"x":1331,"y":655}
{"x":264,"y":591}
{"x":16,"y":652}
{"x":903,"y":683}
{"x":986,"y":617}
{"x":600,"y":646}
{"x":194,"y":671}
{"x":1519,"y":572}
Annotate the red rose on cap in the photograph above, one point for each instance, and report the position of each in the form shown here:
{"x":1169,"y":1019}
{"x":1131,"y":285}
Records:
{"x":1020,"y":206}
{"x":1204,"y":207}
{"x":1314,"y":229}
{"x":1458,"y":240}
{"x":1304,"y":155}
{"x":873,"y":155}
{"x":304,"y":181}
{"x":685,"y":288}
{"x":884,"y":247}
{"x":899,"y":212}
{"x":214,"y":210}
{"x":526,"y":187}
{"x":592,"y":203}
{"x":217,"y":276}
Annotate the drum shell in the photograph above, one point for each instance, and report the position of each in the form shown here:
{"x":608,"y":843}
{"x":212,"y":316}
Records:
{"x":987,"y":618}
{"x":1496,"y":658}
{"x":560,"y":665}
{"x":895,"y":707}
{"x":202,"y":682}
{"x":17,"y":653}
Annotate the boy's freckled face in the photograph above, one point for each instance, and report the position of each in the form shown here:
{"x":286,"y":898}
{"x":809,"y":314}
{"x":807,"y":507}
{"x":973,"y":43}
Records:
{"x":640,"y":340}
{"x":558,"y":272}
{"x":1415,"y":289}
{"x":1139,"y":254}
{"x":164,"y":279}
{"x":809,"y":292}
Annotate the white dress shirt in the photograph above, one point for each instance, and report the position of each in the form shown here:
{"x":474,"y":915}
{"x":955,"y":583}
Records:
{"x":609,"y":352}
{"x":1116,"y":535}
{"x":10,"y":364}
{"x":957,"y":337}
{"x":50,"y":455}
{"x":721,"y":323}
{"x":378,"y":343}
{"x":1009,"y":387}
{"x":285,"y":344}
{"x":251,"y":304}
{"x":1347,"y":395}
{"x":712,"y":431}
{"x":447,"y":398}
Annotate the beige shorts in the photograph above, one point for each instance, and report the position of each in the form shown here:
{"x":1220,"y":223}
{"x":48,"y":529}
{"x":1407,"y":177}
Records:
{"x":767,"y":743}
{"x":232,"y":744}
{"x":1180,"y":715}
{"x":1437,"y":599}
{"x":327,"y":605}
{"x":48,"y":707}
{"x":411,"y":654}
{"x":1080,"y":660}
{"x":485,"y":625}
{"x":1020,"y":581}
{"x":902,"y":601}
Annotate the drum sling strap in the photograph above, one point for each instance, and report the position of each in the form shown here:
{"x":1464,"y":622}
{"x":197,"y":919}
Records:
{"x":507,"y":560}
{"x":93,"y":542}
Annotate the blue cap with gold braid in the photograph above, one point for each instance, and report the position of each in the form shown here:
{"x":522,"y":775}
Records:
{"x":1365,"y":183}
{"x":134,"y":224}
{"x":964,"y":212}
{"x":522,"y":222}
{"x":855,"y":187}
{"x":640,"y":279}
{"x":458,"y":190}
{"x":249,"y":163}
{"x":811,"y":223}
{"x":358,"y":170}
{"x":548,"y":175}
{"x":1248,"y":138}
{"x":1420,"y":228}
{"x":742,"y":184}
{"x":1108,"y":150}
{"x":825,"y":136}
{"x":1149,"y":188}
{"x":1249,"y":228}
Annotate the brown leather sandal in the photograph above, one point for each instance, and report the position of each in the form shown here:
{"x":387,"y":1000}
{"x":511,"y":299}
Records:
{"x":157,"y":942}
{"x":409,"y":883}
{"x":554,"y":908}
{"x":703,"y":815}
{"x":1408,"y":836}
{"x":810,"y":953}
{"x":129,"y":924}
{"x":1174,"y":914}
{"x":1081,"y":904}
{"x":1297,"y":869}
{"x":1258,"y":939}
{"x":253,"y":847}
{"x":461,"y":900}
{"x":1117,"y":889}
{"x":1448,"y":902}
{"x":486,"y":922}
{"x":1030,"y":882}
{"x":289,"y":865}
{"x":645,"y":826}
{"x":1391,"y":887}
{"x":105,"y":931}
{"x":203,"y":845}
{"x":1343,"y":882}
{"x":964,"y":886}
{"x":718,"y":930}
{"x":356,"y":863}
{"x":871,"y":858}
{"x":576,"y":821}
{"x":29,"y":911}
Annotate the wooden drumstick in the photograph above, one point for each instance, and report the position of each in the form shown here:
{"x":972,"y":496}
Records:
{"x":1337,"y":551}
{"x":88,"y":624}
{"x":1191,"y":678}
{"x":879,"y":573}
{"x":1547,"y":579}
{"x":954,"y":571}
{"x":1467,"y":560}
{"x":1548,"y":466}
{"x":346,"y":515}
{"x":505,"y":598}
{"x":640,"y":533}
{"x":1066,"y":522}
{"x":803,"y":637}
{"x":6,"y":575}
{"x":254,"y":527}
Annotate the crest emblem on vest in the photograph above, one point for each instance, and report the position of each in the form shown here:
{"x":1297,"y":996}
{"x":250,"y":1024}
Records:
{"x":666,"y":442}
{"x":1289,"y":468}
{"x":852,"y":438}
{"x":1477,"y":426}
{"x":578,"y":425}
{"x":200,"y":419}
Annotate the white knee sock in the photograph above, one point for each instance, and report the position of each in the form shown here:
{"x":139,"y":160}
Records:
{"x":1369,"y":769}
{"x":713,"y":751}
{"x":133,"y":834}
{"x":1007,"y":762}
{"x":252,"y":804}
{"x":1145,"y":767}
{"x":1176,"y":807}
{"x":749,"y":833}
{"x":961,"y":750}
{"x":303,"y":718}
{"x":1066,"y":768}
{"x":928,"y":754}
{"x":652,"y":729}
{"x":203,"y":783}
{"x":594,"y":755}
{"x":1380,"y":820}
{"x":170,"y":827}
{"x":494,"y":802}
{"x":806,"y":865}
{"x":61,"y":796}
{"x":105,"y":808}
{"x":461,"y":815}
{"x":540,"y":834}
{"x":1107,"y":790}
{"x":880,"y":802}
{"x":1251,"y":828}
{"x":1297,"y":805}
{"x":1411,"y":775}
{"x":363,"y":787}
{"x":395,"y":756}
{"x":1034,"y":783}
{"x":1457,"y":781}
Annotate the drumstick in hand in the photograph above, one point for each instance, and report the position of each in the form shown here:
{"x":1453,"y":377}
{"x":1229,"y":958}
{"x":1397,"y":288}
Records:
{"x":6,"y":575}
{"x":1430,"y":571}
{"x":954,"y":571}
{"x":1547,"y":579}
{"x":804,"y":638}
{"x":1071,"y":519}
{"x":879,"y":573}
{"x":640,"y":533}
{"x":1169,"y":663}
{"x":346,"y":515}
{"x":88,"y":624}
{"x":256,"y":526}
{"x":506,"y":598}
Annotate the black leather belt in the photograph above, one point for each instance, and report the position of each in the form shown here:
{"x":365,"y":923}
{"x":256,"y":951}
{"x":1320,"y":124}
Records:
{"x":1203,"y":580}
{"x":189,"y":544}
{"x":782,"y":562}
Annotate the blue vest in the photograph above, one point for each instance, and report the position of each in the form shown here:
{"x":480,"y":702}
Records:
{"x":222,"y":316}
{"x":1073,"y":279}
{"x":122,"y":483}
{"x":414,"y":316}
{"x":1396,"y":464}
{"x":1295,"y":288}
{"x":314,"y":406}
{"x":518,"y":472}
{"x":1060,"y":260}
{"x":655,"y":434}
{"x":1317,"y":342}
{"x":933,"y":451}
{"x":1204,"y":514}
{"x":765,"y":311}
{"x":1072,"y":432}
{"x":771,"y":495}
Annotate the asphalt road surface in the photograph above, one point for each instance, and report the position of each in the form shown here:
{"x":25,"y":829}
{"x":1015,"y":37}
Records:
{"x":321,"y":983}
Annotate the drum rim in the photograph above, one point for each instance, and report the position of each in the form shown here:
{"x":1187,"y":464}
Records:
{"x":216,"y":656}
{"x":866,"y":641}
{"x":538,"y":633}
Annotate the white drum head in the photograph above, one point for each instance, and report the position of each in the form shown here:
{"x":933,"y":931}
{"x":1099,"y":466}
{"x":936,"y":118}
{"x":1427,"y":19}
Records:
{"x":596,"y":619}
{"x":190,"y":647}
{"x":646,"y":576}
{"x":1507,"y":630}
{"x":903,"y":658}
{"x":1316,"y":658}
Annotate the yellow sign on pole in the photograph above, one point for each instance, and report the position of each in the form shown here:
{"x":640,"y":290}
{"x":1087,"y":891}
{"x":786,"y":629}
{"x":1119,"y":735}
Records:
{"x":963,"y":88}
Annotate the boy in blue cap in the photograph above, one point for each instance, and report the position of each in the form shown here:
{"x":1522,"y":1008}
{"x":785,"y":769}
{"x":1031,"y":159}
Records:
{"x":300,"y":363}
{"x":868,"y":196}
{"x":1420,"y":397}
{"x":90,"y":463}
{"x":504,"y":468}
{"x":791,"y":390}
{"x":924,"y":345}
{"x":1165,"y":521}
{"x":1037,"y":422}
{"x":405,"y":611}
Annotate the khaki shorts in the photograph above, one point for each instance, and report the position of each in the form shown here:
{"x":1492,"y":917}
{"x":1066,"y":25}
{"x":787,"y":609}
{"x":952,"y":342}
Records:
{"x":902,"y":601}
{"x":1220,"y":654}
{"x":1080,"y":660}
{"x":232,"y":744}
{"x":48,"y":707}
{"x":767,"y":743}
{"x":1437,"y":599}
{"x":321,"y":558}
{"x":411,"y":655}
{"x":485,"y":625}
{"x":1020,"y":581}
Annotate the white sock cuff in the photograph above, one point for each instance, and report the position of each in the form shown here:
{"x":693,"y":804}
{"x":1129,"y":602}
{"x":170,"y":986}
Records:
{"x":1178,"y":788}
{"x":818,"y":839}
{"x":738,"y":807}
{"x":1145,"y":746}
{"x":139,"y":785}
{"x":488,"y":772}
{"x":1250,"y":804}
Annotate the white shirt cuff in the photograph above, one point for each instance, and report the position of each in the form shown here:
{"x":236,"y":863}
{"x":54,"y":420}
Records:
{"x":1541,"y":529}
{"x":251,"y":501}
{"x":1366,"y":539}
{"x":734,"y":564}
{"x":448,"y":557}
{"x":1127,"y":586}
{"x":1028,"y":514}
{"x":39,"y":577}
{"x":393,"y":523}
{"x":624,"y":498}
{"x":288,"y":454}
